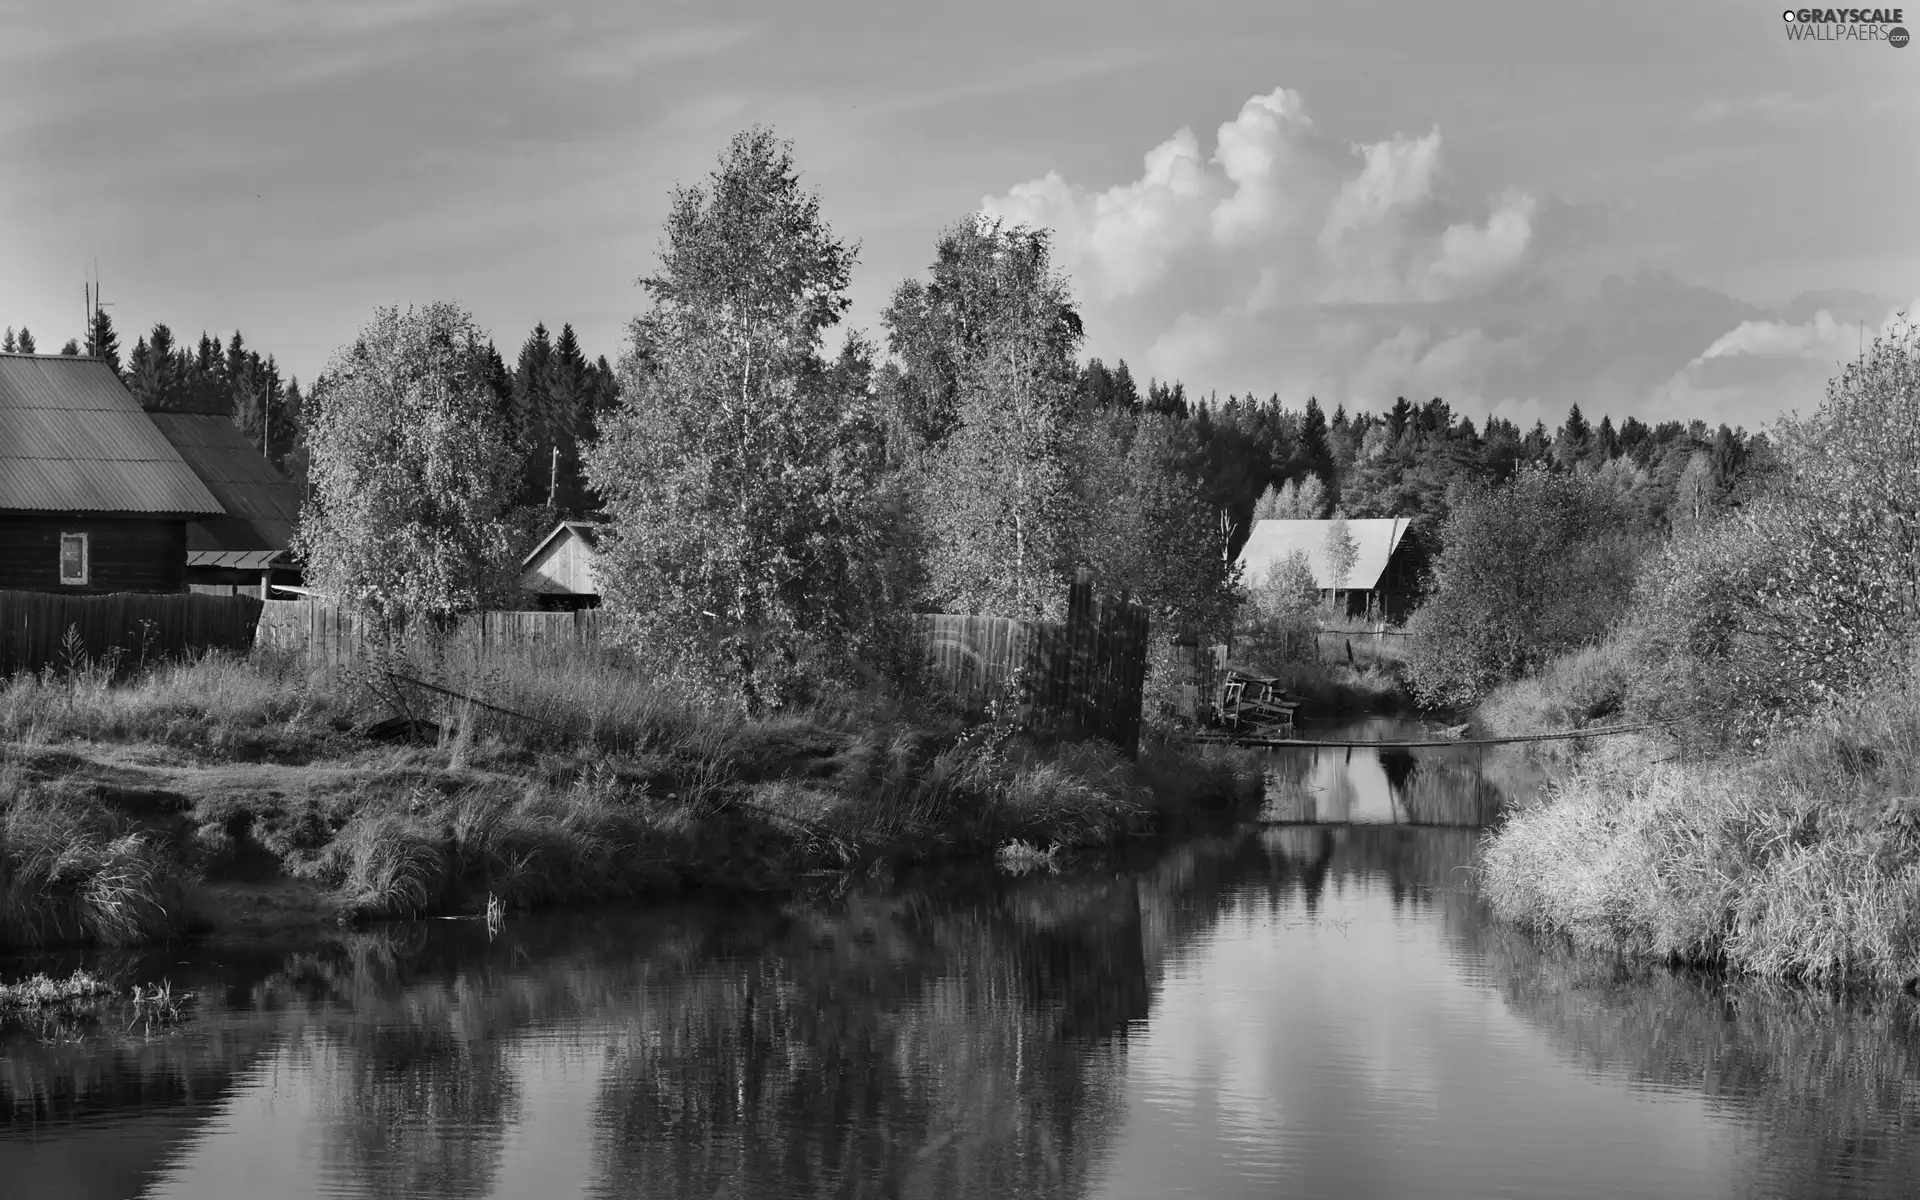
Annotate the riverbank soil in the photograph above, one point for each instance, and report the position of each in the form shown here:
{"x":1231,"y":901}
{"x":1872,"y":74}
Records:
{"x":221,"y":798}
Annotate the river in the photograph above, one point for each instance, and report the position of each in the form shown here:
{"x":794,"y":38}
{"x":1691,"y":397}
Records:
{"x":1317,"y":1005}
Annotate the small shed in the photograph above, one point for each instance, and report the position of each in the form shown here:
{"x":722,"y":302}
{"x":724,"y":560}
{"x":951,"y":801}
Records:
{"x":559,"y":573}
{"x":1381,"y":580}
{"x":247,"y":549}
{"x":93,"y":498}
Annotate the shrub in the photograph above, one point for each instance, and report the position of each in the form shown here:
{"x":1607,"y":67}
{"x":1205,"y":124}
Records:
{"x":1530,"y":570}
{"x":1812,"y":591}
{"x":1799,"y":864}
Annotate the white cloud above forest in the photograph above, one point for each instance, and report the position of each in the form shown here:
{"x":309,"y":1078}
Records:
{"x":1286,"y":258}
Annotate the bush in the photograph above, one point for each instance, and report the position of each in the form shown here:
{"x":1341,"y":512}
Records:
{"x":1804,"y":863}
{"x":1810,"y":593}
{"x":1530,"y":570}
{"x":1569,"y":692}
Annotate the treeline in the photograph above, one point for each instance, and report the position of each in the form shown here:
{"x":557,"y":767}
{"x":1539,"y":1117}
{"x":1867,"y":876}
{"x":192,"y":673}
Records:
{"x":1405,"y":461}
{"x":549,"y":402}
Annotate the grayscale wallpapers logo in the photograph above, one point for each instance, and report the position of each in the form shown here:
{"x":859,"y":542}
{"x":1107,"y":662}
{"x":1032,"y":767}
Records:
{"x":1846,"y":25}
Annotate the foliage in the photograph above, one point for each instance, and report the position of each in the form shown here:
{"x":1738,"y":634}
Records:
{"x":1294,"y":500}
{"x":1145,"y":526}
{"x":559,"y":399}
{"x":411,"y":471}
{"x":1800,"y":863}
{"x":1811,"y":590}
{"x":997,"y":487}
{"x":1342,"y":552}
{"x":1531,"y":569}
{"x":741,"y":470}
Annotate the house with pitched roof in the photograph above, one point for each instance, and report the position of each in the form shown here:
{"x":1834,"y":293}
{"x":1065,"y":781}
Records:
{"x":93,"y":496}
{"x":1382,"y":578}
{"x":246,"y":549}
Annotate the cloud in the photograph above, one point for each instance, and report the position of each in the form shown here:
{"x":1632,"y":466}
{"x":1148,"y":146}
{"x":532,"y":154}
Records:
{"x":1286,"y":259}
{"x":1779,"y":363}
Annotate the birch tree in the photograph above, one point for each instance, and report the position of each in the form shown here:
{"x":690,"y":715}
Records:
{"x":411,"y":471}
{"x":997,"y":490}
{"x":739,"y":470}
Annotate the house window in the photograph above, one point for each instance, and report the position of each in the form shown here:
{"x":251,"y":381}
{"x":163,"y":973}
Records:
{"x":73,"y":559}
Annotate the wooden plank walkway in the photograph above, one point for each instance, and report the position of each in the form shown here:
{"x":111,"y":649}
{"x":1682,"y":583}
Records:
{"x":1267,"y":743}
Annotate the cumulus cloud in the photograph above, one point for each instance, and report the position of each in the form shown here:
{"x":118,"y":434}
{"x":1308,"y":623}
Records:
{"x":1285,"y":258}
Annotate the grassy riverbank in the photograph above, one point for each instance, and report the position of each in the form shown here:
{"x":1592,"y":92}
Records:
{"x":1801,"y":861}
{"x":229,"y":794}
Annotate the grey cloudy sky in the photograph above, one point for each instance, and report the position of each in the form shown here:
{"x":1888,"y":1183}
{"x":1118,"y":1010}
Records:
{"x":1641,"y":207}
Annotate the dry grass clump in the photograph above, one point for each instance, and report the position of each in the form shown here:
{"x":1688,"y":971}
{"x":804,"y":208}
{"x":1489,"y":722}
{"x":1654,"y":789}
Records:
{"x":72,"y":871}
{"x":1803,"y":863}
{"x":1568,"y":693}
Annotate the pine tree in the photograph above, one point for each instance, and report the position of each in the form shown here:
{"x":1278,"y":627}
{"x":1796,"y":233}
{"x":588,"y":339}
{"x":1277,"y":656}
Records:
{"x":1574,"y":439}
{"x":102,"y":342}
{"x":154,"y":372}
{"x":71,"y":349}
{"x":569,"y":394}
{"x":530,"y":425}
{"x":25,"y":342}
{"x":8,"y":345}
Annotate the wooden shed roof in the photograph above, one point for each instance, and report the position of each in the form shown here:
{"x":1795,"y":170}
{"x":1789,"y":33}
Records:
{"x":73,"y":439}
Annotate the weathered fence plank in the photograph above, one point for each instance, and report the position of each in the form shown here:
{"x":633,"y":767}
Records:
{"x":328,"y":635}
{"x":130,"y":628}
{"x":1084,"y":677}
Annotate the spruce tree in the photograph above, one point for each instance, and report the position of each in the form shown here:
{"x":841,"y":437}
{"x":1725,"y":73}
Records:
{"x":102,"y":342}
{"x":25,"y":342}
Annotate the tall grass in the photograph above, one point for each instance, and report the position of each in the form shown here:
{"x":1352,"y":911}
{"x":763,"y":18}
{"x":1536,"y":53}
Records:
{"x":72,"y":871}
{"x":1802,"y":863}
{"x":1570,"y":692}
{"x":219,"y":702}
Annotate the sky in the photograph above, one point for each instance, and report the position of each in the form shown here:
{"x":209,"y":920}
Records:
{"x":1665,"y":210}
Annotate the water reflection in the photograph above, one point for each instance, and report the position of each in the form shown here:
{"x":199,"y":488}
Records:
{"x":1391,"y":784}
{"x":1290,"y":1009}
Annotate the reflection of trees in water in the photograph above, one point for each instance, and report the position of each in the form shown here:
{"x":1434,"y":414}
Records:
{"x":921,"y":1044}
{"x":1441,"y":786}
{"x":1829,"y":1089}
{"x":963,"y":1037}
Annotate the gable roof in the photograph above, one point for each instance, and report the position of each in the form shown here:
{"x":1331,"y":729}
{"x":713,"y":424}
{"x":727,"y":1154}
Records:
{"x":73,"y":439}
{"x":262,"y":504}
{"x":1374,"y":538}
{"x":581,"y":529}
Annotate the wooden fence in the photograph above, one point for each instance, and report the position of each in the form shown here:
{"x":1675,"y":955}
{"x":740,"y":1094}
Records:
{"x":1082,"y":677}
{"x":329,"y":635}
{"x":127,"y":628}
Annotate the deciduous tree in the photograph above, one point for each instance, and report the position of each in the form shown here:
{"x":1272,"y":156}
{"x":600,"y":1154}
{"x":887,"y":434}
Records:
{"x":740,"y":470}
{"x":410,"y":470}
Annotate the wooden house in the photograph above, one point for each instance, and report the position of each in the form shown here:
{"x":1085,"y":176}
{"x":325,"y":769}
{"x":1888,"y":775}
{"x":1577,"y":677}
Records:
{"x":93,"y":497}
{"x":247,"y":549}
{"x":1382,"y":580}
{"x":559,"y":573}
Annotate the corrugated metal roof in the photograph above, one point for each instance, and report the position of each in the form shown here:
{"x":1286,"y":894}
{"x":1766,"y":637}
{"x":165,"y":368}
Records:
{"x":262,"y":504}
{"x":73,"y":439}
{"x":1374,"y":538}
